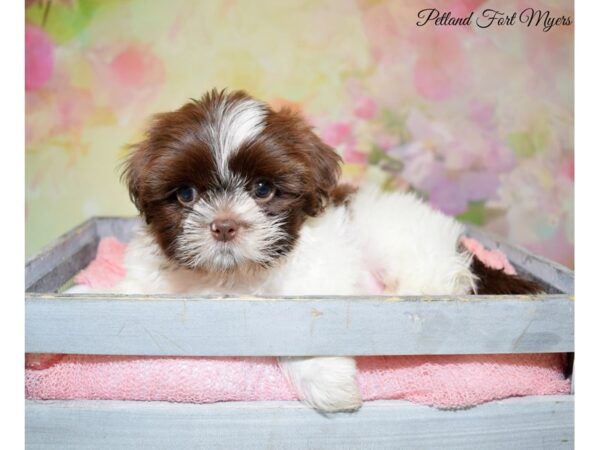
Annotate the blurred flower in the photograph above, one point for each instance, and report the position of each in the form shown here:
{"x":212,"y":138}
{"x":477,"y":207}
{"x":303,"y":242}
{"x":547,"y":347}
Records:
{"x":441,"y":69}
{"x":453,"y":165}
{"x":136,"y":67}
{"x":365,"y":107}
{"x":337,"y":133}
{"x":353,"y":156}
{"x":127,"y":78}
{"x":462,"y":8}
{"x":39,"y":57}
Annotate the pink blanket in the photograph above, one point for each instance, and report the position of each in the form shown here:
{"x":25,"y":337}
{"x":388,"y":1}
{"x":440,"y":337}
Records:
{"x":453,"y":381}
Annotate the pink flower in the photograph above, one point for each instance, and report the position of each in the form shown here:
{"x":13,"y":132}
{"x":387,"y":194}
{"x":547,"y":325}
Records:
{"x":567,"y":168}
{"x":337,"y":133}
{"x":462,"y":8}
{"x":39,"y":58}
{"x":441,"y":69}
{"x":353,"y":156}
{"x":136,"y":67}
{"x":366,"y":108}
{"x":131,"y":76}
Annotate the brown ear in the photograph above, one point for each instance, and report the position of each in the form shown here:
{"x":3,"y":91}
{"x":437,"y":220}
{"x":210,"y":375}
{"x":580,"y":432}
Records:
{"x":133,"y":171}
{"x":320,"y":162}
{"x":135,"y":167}
{"x":325,"y":168}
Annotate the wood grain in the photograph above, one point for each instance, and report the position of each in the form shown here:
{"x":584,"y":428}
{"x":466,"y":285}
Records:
{"x":518,"y":423}
{"x":253,"y":326}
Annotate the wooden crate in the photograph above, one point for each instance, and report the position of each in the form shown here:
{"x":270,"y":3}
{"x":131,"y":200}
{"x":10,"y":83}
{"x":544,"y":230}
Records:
{"x":257,"y":326}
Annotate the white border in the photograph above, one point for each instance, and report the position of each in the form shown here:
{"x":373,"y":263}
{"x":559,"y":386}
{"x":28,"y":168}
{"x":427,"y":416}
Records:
{"x":587,"y":224}
{"x":586,"y":22}
{"x":12,"y":222}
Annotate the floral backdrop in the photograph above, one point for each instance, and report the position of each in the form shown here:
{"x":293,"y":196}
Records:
{"x":477,"y":121}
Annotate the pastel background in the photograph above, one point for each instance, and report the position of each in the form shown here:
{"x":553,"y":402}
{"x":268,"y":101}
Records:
{"x":477,"y":121}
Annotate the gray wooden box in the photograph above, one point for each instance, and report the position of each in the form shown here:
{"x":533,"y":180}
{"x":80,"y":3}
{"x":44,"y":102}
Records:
{"x":251,"y":326}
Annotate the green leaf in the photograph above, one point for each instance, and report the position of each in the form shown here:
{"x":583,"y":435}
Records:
{"x":376,"y":155}
{"x":64,"y":21}
{"x":475,"y":213}
{"x":522,"y":143}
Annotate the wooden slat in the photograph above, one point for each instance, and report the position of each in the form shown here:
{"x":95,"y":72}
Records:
{"x":58,"y":262}
{"x":222,"y":326}
{"x":54,"y":265}
{"x":517,"y":423}
{"x":550,"y":273}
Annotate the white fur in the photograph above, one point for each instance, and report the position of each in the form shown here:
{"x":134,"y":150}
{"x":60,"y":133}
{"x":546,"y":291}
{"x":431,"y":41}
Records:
{"x":197,"y":247}
{"x":392,"y":240}
{"x":327,"y":383}
{"x":409,"y":246}
{"x":234,"y":124}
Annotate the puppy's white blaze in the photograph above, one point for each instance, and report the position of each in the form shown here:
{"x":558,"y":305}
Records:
{"x":236,"y":123}
{"x":197,"y":247}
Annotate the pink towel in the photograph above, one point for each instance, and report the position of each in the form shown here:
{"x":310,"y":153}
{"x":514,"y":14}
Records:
{"x":454,"y":381}
{"x":444,"y":381}
{"x":107,"y":268}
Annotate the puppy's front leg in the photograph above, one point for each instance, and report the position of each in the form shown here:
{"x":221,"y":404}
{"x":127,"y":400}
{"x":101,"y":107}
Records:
{"x":327,"y":383}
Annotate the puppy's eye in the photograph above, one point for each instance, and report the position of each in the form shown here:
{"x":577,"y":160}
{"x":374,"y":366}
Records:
{"x":264,"y":190}
{"x":186,"y":194}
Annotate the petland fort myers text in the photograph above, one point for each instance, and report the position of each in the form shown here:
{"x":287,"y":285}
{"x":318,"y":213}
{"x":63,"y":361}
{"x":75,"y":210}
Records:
{"x":491,"y":17}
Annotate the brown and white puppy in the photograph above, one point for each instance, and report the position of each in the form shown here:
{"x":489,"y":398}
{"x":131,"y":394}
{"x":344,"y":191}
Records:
{"x":241,"y":199}
{"x":225,"y":183}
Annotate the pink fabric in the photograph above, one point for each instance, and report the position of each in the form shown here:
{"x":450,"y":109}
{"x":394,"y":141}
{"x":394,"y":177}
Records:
{"x":107,"y":268}
{"x":491,"y":258}
{"x":454,"y":381}
{"x":444,"y":381}
{"x":39,"y":361}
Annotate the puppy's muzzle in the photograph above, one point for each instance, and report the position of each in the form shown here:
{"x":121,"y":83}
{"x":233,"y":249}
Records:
{"x":224,"y":230}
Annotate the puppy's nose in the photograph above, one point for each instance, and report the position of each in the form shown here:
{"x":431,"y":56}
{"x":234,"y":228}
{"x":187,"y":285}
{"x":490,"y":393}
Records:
{"x":224,"y":229}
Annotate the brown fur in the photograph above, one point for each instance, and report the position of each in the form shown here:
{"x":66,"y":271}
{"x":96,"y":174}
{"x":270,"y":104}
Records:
{"x":342,"y":194}
{"x":171,"y":155}
{"x":497,"y":282}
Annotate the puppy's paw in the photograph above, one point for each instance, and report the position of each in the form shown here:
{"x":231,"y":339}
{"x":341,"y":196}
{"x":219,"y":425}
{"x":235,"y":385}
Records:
{"x":332,"y":395}
{"x":325,"y":383}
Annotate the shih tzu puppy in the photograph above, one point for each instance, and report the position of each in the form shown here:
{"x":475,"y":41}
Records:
{"x":241,"y":199}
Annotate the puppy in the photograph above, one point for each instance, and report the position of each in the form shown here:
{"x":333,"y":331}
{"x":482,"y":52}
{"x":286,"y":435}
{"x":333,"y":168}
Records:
{"x":241,"y":199}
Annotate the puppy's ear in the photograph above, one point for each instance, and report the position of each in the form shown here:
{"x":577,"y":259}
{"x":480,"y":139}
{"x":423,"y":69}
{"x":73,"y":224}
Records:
{"x":132,"y":174}
{"x":324,"y":164}
{"x":319,"y":162}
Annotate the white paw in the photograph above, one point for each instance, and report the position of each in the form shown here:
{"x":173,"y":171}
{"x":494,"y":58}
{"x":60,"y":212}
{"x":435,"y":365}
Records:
{"x":325,"y":383}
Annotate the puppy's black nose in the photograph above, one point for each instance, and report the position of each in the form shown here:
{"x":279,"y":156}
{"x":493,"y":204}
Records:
{"x":224,"y":229}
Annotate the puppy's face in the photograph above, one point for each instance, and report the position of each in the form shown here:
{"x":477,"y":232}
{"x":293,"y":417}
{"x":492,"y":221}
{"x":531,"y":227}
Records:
{"x":226,"y":182}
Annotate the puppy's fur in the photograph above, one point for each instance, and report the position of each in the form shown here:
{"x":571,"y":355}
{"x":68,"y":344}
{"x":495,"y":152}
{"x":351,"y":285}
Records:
{"x":241,"y":199}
